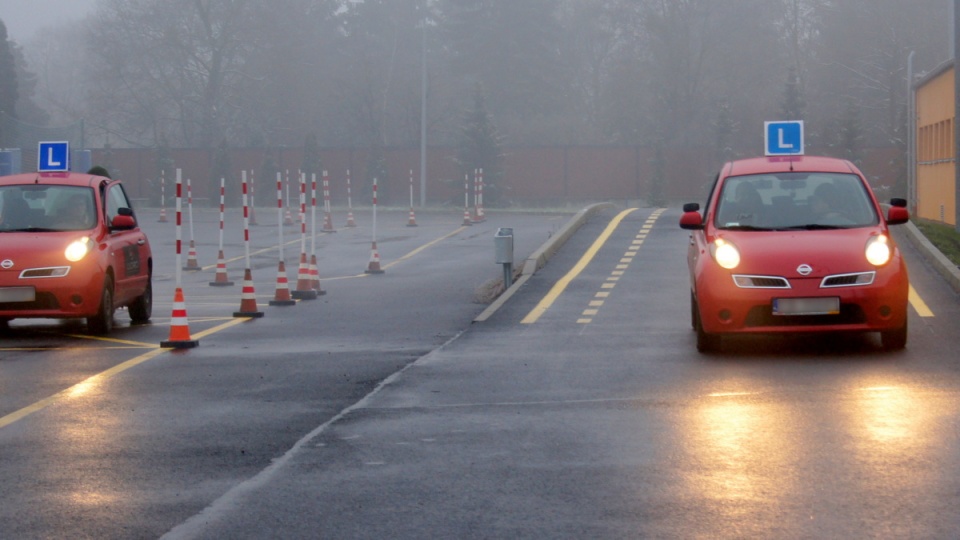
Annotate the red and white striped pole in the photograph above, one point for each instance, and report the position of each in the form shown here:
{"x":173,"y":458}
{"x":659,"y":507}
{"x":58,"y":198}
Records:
{"x":350,"y":221}
{"x":282,"y":296}
{"x":192,"y":263}
{"x":253,"y":204}
{"x":221,"y":279}
{"x":466,"y":200}
{"x":482,"y":216}
{"x":163,"y":198}
{"x":374,"y":266}
{"x":327,"y":219}
{"x":179,"y":337}
{"x":412,"y":221}
{"x":314,"y":270}
{"x":304,"y":289}
{"x":248,"y":297}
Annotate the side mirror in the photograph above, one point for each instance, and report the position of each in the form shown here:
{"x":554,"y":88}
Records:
{"x":691,"y":218}
{"x":123,"y":221}
{"x":897,"y":215}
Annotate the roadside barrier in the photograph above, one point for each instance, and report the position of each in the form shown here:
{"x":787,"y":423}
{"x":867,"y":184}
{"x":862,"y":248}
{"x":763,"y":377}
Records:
{"x":248,"y":297}
{"x":282,"y":295}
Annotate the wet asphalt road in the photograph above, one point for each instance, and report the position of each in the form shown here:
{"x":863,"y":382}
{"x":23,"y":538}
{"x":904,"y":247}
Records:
{"x":377,"y":418}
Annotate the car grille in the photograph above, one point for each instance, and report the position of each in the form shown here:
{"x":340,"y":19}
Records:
{"x":762,"y":316}
{"x":44,"y":300}
{"x":761,"y":282}
{"x":848,"y":280}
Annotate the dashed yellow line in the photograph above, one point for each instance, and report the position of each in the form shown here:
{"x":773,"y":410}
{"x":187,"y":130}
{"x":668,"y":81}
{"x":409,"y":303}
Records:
{"x":918,"y":304}
{"x":562,"y":284}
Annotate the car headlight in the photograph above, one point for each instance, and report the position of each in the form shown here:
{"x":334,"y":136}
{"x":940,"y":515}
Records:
{"x":878,"y":250}
{"x":726,"y":254}
{"x":78,"y":249}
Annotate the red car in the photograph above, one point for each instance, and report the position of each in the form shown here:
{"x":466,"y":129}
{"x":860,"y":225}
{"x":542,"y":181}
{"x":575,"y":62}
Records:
{"x":70,"y":247}
{"x":795,"y":244}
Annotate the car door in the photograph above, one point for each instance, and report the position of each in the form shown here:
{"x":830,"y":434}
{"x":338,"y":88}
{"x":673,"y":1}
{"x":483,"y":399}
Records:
{"x":129,"y":250}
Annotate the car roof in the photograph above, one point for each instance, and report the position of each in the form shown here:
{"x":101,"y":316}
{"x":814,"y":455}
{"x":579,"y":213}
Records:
{"x":55,"y":178}
{"x":776,"y":164}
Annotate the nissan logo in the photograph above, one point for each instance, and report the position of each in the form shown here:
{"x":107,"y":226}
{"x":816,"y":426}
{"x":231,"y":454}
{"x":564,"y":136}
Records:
{"x":6,"y":264}
{"x":804,"y":269}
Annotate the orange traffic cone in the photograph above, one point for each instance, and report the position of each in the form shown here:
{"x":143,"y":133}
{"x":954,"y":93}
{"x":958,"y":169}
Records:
{"x":315,"y":276}
{"x":327,"y":223}
{"x":287,"y":217}
{"x":374,"y":266}
{"x":466,"y":217}
{"x":412,"y":222}
{"x":304,"y":290}
{"x":282,"y":295}
{"x":350,"y":221}
{"x":179,"y":328}
{"x":192,"y":263}
{"x":248,"y":298}
{"x":253,"y":216}
{"x":221,"y":279}
{"x":163,"y":215}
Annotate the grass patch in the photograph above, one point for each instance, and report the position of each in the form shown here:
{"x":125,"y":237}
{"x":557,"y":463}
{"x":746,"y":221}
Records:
{"x":945,"y":237}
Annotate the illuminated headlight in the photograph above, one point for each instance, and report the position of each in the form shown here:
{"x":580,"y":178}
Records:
{"x":726,"y":254}
{"x":878,"y":250}
{"x":78,"y":249}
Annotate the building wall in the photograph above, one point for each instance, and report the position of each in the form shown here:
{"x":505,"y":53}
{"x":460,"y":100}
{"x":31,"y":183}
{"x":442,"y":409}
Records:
{"x":936,"y":163}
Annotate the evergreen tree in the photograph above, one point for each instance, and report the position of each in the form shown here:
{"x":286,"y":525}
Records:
{"x":725,"y":127}
{"x":849,"y":133}
{"x":793,"y":105}
{"x":8,"y":90}
{"x":479,"y":148}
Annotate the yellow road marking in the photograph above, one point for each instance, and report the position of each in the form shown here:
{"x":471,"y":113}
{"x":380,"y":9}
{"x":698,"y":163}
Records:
{"x":918,"y":304}
{"x":84,"y":386}
{"x":562,"y":284}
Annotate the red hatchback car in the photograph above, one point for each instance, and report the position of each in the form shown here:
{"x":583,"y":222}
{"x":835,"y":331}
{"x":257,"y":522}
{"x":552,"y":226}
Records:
{"x":795,"y":244}
{"x":70,"y":247}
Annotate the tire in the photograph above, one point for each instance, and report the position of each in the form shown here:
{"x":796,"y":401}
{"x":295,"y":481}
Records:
{"x":102,"y":323}
{"x":706,"y":343}
{"x":142,"y":307}
{"x":894,"y":340}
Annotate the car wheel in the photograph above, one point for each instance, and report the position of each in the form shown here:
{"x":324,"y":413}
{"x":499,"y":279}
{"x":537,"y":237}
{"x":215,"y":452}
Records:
{"x":706,"y":343}
{"x":894,"y":340}
{"x":142,"y":307}
{"x":693,"y":311}
{"x":102,"y":322}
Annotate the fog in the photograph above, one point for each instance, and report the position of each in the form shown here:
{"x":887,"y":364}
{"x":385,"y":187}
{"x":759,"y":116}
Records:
{"x":26,"y":17}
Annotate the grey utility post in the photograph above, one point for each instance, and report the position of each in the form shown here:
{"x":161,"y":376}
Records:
{"x":503,"y":253}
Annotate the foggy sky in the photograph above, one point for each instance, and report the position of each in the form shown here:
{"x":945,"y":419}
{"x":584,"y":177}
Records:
{"x":25,"y":17}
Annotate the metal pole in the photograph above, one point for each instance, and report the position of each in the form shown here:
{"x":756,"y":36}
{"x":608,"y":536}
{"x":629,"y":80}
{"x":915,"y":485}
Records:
{"x":423,"y":112}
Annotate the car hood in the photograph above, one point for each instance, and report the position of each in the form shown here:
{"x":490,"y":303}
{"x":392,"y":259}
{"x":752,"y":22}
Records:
{"x":35,"y":250}
{"x":827,"y":252}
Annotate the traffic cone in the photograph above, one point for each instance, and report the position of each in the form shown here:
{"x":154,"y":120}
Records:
{"x":282,"y":295}
{"x":374,"y":266}
{"x":179,"y":328}
{"x":327,"y":223}
{"x":221,"y":279}
{"x":412,"y":222}
{"x":163,"y":215}
{"x":192,"y":258}
{"x":350,"y":221}
{"x":304,"y":290}
{"x":248,"y":298}
{"x":466,"y":217}
{"x":253,"y":217}
{"x":287,"y":217}
{"x":315,"y":276}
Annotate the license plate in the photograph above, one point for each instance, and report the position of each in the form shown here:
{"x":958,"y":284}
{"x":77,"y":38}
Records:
{"x":17,"y":294}
{"x":807,"y":306}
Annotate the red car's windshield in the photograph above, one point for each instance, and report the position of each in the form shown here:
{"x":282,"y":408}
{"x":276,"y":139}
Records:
{"x":791,"y":201}
{"x":46,"y":208}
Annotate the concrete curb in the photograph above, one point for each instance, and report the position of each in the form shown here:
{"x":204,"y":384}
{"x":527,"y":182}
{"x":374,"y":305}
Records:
{"x":937,"y":260}
{"x":539,"y":258}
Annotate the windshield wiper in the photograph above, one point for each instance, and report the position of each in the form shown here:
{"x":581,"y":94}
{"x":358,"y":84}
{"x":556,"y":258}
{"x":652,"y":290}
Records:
{"x":745,"y":228}
{"x":31,"y":229}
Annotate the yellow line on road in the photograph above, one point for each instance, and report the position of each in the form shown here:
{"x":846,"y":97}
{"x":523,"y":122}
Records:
{"x":87,"y":384}
{"x":562,"y":284}
{"x":425,"y":246}
{"x":918,"y":304}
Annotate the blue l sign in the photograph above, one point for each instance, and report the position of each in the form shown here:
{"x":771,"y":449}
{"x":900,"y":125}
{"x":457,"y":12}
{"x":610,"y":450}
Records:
{"x":53,"y":157}
{"x":783,"y":138}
